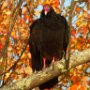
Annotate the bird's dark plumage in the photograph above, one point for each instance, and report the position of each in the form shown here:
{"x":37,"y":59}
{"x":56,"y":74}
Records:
{"x":49,"y":37}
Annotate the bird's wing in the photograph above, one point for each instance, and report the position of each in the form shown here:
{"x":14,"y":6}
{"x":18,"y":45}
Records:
{"x":34,"y":43}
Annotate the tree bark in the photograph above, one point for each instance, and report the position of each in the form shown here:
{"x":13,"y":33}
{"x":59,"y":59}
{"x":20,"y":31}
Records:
{"x":58,"y":68}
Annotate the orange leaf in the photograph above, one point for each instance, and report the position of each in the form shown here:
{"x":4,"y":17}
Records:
{"x":74,"y":87}
{"x":78,"y":23}
{"x":55,"y":3}
{"x":73,"y":32}
{"x":77,"y":9}
{"x":75,"y":79}
{"x":83,"y":88}
{"x":1,"y":46}
{"x":83,"y":40}
{"x":79,"y":46}
{"x":84,"y":30}
{"x":73,"y":39}
{"x":13,"y":35}
{"x":26,"y":17}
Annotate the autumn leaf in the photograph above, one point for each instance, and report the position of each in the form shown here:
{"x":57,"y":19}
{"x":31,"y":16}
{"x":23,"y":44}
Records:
{"x":83,"y":29}
{"x":75,"y":79}
{"x":78,"y":9}
{"x":14,"y":35}
{"x":74,"y":39}
{"x":78,"y":23}
{"x":74,"y":86}
{"x":24,"y":10}
{"x":55,"y":3}
{"x":5,"y":4}
{"x":73,"y":32}
{"x":1,"y":46}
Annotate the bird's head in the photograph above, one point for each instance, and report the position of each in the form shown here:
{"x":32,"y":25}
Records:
{"x":46,"y":9}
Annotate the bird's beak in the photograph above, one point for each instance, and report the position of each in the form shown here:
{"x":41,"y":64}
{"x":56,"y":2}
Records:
{"x":45,"y":12}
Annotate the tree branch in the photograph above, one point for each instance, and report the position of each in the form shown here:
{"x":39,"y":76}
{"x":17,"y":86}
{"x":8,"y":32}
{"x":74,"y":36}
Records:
{"x":54,"y":70}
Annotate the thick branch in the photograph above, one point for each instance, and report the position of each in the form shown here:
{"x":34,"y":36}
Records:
{"x":49,"y":73}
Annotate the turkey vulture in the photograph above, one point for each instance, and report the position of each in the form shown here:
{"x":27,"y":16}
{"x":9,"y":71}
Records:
{"x":49,"y":37}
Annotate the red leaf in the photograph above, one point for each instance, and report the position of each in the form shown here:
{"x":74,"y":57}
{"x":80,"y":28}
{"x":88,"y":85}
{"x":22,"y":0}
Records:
{"x":83,"y":30}
{"x":73,"y":32}
{"x":1,"y":46}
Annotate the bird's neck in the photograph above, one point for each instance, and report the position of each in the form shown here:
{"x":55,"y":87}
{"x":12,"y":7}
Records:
{"x":49,"y":15}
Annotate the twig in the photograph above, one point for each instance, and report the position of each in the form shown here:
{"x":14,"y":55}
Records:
{"x":71,"y":14}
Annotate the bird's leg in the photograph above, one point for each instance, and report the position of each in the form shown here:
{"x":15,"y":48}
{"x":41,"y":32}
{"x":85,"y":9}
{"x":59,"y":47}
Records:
{"x":44,"y":62}
{"x":53,"y":60}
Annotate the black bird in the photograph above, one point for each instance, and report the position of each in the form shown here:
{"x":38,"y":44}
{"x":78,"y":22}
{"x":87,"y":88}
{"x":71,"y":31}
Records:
{"x":49,"y":37}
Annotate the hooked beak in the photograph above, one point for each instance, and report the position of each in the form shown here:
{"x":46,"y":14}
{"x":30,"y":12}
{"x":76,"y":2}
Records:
{"x":45,"y":12}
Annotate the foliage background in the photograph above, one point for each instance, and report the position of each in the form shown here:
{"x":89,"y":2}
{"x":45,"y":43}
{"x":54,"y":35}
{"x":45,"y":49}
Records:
{"x":16,"y":17}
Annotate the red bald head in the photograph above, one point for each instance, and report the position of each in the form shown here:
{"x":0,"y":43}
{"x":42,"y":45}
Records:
{"x":46,"y":8}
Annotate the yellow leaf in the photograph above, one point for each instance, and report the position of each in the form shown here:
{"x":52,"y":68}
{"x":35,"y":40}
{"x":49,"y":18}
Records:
{"x":28,"y":70}
{"x":13,"y":35}
{"x":4,"y":5}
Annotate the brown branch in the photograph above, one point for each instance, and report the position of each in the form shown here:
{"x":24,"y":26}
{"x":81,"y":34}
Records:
{"x":71,"y":14}
{"x":49,"y":73}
